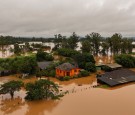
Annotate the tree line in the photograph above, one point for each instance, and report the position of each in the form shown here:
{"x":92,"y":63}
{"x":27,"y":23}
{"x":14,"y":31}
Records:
{"x":92,"y":43}
{"x":95,"y":44}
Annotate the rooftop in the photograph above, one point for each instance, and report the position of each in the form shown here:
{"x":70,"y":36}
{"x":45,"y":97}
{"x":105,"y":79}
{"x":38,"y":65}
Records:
{"x":44,"y":64}
{"x":114,"y":65}
{"x":117,"y":77}
{"x":66,"y":66}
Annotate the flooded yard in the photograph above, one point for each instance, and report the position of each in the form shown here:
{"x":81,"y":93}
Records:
{"x":82,"y":99}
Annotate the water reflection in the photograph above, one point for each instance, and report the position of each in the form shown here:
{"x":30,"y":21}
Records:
{"x":9,"y":106}
{"x":104,"y":59}
{"x":40,"y":107}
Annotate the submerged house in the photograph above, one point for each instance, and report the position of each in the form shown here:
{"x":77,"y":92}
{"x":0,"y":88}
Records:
{"x":67,"y":69}
{"x":117,"y":77}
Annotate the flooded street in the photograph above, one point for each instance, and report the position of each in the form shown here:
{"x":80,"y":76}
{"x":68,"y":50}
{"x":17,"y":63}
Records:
{"x":81,"y":100}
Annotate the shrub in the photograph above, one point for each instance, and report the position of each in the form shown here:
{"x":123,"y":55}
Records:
{"x":90,"y":67}
{"x":66,"y":78}
{"x":84,"y":73}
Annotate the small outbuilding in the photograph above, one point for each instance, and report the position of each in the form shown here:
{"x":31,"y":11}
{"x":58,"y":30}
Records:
{"x":67,"y":69}
{"x":113,"y":66}
{"x":117,"y":77}
{"x":43,"y":65}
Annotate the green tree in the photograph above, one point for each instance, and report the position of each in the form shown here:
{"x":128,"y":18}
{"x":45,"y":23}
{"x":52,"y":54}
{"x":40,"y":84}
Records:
{"x":17,"y":49}
{"x":73,"y":40}
{"x":116,"y":43}
{"x":43,"y":56}
{"x":58,"y":41}
{"x":105,"y":48}
{"x":125,"y":60}
{"x":86,"y":46}
{"x":82,"y":58}
{"x":89,"y":66}
{"x":95,"y":39}
{"x":26,"y":64}
{"x":42,"y":89}
{"x":10,"y":87}
{"x":67,"y":52}
{"x":84,"y":73}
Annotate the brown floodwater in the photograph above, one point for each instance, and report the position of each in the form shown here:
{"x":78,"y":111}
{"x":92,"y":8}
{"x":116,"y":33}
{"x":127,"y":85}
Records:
{"x":104,"y":59}
{"x":80,"y":100}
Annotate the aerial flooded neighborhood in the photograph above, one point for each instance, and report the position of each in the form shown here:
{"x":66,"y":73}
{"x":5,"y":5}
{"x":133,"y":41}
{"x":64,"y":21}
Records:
{"x":67,"y":57}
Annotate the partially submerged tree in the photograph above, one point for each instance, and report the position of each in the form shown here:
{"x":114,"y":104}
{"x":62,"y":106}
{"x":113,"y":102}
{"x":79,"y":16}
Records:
{"x":42,"y":89}
{"x":73,"y":40}
{"x":10,"y":87}
{"x":17,"y":49}
{"x":94,"y":39}
{"x":86,"y":46}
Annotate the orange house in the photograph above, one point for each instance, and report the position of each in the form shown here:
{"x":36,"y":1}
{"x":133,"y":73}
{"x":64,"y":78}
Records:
{"x":67,"y":69}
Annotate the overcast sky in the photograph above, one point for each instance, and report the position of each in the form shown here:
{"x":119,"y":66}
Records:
{"x":44,"y":18}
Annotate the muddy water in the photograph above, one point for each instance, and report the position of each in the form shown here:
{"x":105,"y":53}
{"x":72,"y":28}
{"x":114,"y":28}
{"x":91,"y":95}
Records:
{"x":81,"y":100}
{"x":104,"y":59}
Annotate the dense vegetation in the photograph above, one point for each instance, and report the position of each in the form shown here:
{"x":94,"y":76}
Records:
{"x":84,"y":60}
{"x":67,"y":52}
{"x":92,"y":45}
{"x":43,"y":56}
{"x":21,"y":64}
{"x":125,"y":60}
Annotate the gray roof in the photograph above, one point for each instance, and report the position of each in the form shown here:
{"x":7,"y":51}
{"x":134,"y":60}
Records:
{"x":44,"y":64}
{"x":117,"y":77}
{"x":66,"y":66}
{"x":114,"y":65}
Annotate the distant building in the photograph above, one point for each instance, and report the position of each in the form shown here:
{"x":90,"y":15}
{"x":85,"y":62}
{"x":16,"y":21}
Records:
{"x":67,"y":69}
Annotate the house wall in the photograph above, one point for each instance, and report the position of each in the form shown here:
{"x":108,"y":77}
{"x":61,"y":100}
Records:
{"x":71,"y":73}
